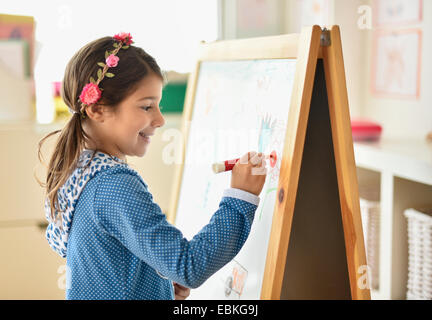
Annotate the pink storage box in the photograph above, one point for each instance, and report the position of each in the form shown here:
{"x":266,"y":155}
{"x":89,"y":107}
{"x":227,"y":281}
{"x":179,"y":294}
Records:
{"x":365,"y":130}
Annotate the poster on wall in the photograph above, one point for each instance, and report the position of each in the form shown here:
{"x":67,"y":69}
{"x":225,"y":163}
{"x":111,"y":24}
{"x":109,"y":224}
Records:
{"x":391,"y":12}
{"x":314,"y":12}
{"x":258,"y":18}
{"x":397,"y":63}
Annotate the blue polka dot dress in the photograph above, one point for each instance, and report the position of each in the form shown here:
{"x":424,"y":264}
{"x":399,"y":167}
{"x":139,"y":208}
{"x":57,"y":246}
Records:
{"x":118,"y":243}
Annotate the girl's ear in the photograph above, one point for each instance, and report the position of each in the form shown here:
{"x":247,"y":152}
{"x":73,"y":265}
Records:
{"x":96,"y":112}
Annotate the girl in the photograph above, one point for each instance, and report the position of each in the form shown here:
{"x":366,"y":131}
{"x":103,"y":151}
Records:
{"x":102,"y":218}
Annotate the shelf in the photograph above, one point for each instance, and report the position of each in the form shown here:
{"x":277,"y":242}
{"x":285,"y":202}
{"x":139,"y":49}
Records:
{"x":399,"y":172}
{"x":409,"y":159}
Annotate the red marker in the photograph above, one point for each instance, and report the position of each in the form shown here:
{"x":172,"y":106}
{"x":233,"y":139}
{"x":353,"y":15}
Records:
{"x":228,"y":165}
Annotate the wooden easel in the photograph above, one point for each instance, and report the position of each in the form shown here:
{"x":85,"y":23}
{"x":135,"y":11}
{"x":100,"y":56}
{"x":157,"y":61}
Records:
{"x":316,"y":247}
{"x":321,"y":77}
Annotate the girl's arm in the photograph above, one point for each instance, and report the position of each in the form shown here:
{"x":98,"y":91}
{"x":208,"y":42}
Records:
{"x":125,"y":209}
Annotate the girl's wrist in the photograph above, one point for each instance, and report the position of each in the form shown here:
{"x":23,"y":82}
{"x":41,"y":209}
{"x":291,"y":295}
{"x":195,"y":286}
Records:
{"x":242,"y":195}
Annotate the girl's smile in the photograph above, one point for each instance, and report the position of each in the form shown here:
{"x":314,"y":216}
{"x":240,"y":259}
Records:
{"x":145,"y":137}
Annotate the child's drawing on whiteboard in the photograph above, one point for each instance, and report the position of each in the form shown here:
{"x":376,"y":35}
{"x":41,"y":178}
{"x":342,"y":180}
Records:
{"x":263,"y":83}
{"x":277,"y":144}
{"x":211,"y":193}
{"x":271,"y":138}
{"x":267,"y":193}
{"x":235,"y":282}
{"x":210,"y":95}
{"x":244,"y":104}
{"x":206,"y":194}
{"x":265,"y":132}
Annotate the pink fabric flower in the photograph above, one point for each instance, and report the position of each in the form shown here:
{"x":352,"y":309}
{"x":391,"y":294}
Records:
{"x":112,"y":61}
{"x":124,"y":37}
{"x":90,"y":94}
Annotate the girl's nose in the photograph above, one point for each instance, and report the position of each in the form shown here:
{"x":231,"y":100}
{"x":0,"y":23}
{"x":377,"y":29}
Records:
{"x":159,"y":120}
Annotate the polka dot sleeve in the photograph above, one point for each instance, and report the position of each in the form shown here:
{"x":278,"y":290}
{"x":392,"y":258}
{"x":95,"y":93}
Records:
{"x":125,"y":209}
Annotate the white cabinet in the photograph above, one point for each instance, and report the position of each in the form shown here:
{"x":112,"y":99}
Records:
{"x":29,"y":269}
{"x":402,"y":172}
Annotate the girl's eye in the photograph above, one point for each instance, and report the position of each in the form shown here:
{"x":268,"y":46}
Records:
{"x":146,"y":108}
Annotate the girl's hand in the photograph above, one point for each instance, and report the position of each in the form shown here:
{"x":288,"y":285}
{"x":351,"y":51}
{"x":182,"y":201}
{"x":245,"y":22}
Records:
{"x":249,"y":173}
{"x":181,"y":293}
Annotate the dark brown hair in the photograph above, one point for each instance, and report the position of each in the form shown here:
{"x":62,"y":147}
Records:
{"x":133,"y":66}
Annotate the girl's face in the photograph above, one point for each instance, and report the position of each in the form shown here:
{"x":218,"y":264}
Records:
{"x":128,"y":129}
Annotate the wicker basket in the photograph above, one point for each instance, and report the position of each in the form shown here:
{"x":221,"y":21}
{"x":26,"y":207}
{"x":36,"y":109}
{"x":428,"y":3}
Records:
{"x":370,"y":213}
{"x":419,"y":284}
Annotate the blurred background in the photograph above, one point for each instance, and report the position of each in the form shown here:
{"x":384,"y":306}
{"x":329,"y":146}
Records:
{"x":386,"y":46}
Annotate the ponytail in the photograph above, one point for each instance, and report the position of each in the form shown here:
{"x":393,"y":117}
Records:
{"x":64,"y":158}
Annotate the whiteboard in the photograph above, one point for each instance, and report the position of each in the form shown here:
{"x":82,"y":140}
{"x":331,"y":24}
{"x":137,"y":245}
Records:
{"x":239,"y":106}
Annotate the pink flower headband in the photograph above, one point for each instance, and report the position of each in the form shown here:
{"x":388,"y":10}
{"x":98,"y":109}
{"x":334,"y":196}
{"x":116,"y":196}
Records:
{"x":91,"y":93}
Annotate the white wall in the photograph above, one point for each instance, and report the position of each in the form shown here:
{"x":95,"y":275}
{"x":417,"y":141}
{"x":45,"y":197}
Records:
{"x":402,"y":118}
{"x":344,"y":13}
{"x":287,"y":20}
